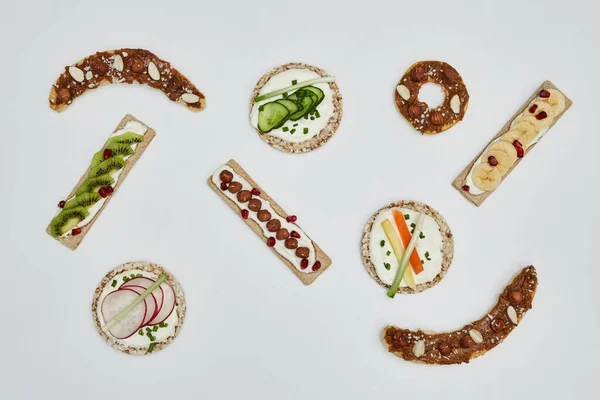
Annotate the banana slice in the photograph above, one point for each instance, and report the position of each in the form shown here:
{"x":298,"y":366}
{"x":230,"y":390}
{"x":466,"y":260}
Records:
{"x":556,"y":100}
{"x":504,"y":161}
{"x":522,"y":137}
{"x":542,"y":106}
{"x":486,"y":177}
{"x":506,"y":148}
{"x":524,"y":126}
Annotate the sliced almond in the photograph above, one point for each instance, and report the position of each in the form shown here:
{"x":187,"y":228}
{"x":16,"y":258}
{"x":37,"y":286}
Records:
{"x":125,"y":54}
{"x":76,"y":74}
{"x":89,"y":75}
{"x":403,"y":92}
{"x":153,"y":71}
{"x":512,"y":315}
{"x":190,"y":98}
{"x":476,"y":336}
{"x":455,"y":104}
{"x":419,"y":348}
{"x":118,"y":63}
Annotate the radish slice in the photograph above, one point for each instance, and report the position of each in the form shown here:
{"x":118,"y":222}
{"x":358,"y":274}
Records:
{"x":145,"y":283}
{"x":116,"y":302}
{"x":151,"y":305}
{"x":168,"y":304}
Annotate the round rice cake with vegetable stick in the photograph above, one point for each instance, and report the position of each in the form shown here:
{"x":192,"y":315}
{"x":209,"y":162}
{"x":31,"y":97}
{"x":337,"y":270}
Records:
{"x":138,"y":308}
{"x":296,"y":107}
{"x":390,"y":231}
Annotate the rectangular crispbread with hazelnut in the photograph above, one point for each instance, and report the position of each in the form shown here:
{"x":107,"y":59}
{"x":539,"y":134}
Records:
{"x":257,"y":202}
{"x":461,"y":182}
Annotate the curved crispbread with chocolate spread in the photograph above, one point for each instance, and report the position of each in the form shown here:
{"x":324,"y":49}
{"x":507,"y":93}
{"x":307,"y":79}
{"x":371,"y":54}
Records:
{"x":447,"y":244}
{"x":180,"y":307}
{"x":323,"y":136}
{"x":492,"y":329}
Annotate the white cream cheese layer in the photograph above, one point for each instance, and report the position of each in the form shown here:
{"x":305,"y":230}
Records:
{"x":137,"y":340}
{"x":381,"y":255}
{"x":288,"y":254}
{"x":131,"y":126}
{"x":325,"y":108}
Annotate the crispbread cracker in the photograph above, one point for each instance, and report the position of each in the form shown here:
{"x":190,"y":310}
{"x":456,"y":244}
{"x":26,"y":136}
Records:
{"x":460,"y":180}
{"x":322,"y":137}
{"x":73,"y":242}
{"x":180,"y":307}
{"x":447,"y":244}
{"x":306,"y":278}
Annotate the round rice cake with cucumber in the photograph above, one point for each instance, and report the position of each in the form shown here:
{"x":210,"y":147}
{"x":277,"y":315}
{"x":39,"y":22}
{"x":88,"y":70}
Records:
{"x":138,"y":308}
{"x":387,"y":234}
{"x":302,"y":118}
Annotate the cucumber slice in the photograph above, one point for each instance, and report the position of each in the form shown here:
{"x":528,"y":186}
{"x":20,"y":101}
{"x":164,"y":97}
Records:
{"x":306,"y":101}
{"x":314,"y":98}
{"x":292,"y":107}
{"x":318,"y":92}
{"x":270,"y":115}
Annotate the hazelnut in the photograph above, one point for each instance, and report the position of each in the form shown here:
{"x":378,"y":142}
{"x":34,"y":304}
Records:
{"x":497,"y":325}
{"x":436,"y":117}
{"x":450,"y":74}
{"x":263,"y":215}
{"x":302,"y":252}
{"x":100,"y":67}
{"x":254,"y":204}
{"x":273,"y":225}
{"x":244,"y":196}
{"x":282,"y":234}
{"x":466,"y":341}
{"x":137,"y":65}
{"x":291,"y":243}
{"x":418,"y":74}
{"x":400,"y":339}
{"x":445,"y":348}
{"x":63,"y":95}
{"x":415,"y":111}
{"x":515,"y":297}
{"x":226,"y":176}
{"x":235,"y":187}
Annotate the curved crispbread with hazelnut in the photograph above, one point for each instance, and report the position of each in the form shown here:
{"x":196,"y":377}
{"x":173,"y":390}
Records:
{"x":180,"y":307}
{"x":322,"y":137}
{"x":447,"y":244}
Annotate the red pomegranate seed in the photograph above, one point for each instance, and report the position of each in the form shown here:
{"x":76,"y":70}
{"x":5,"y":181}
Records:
{"x":304,"y":263}
{"x":517,"y":144}
{"x":110,"y":189}
{"x":544,"y":93}
{"x":533,"y":108}
{"x":466,"y":188}
{"x":76,"y":231}
{"x":492,"y":161}
{"x":61,"y":203}
{"x":271,"y":241}
{"x":295,"y":234}
{"x":541,"y":115}
{"x":245,"y":214}
{"x":102,"y":192}
{"x":291,"y":218}
{"x":520,"y":152}
{"x":223,"y":186}
{"x":107,"y":154}
{"x":255,"y":192}
{"x":316,"y":266}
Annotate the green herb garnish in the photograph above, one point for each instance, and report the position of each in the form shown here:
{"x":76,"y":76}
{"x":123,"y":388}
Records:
{"x":388,"y":253}
{"x":306,"y":117}
{"x":317,"y":114}
{"x":305,"y":131}
{"x":285,"y":129}
{"x":292,"y":131}
{"x":163,"y":324}
{"x":387,"y":266}
{"x":382,"y":243}
{"x":406,"y":217}
{"x":138,"y":276}
{"x":295,"y":125}
{"x":422,"y":262}
{"x":312,"y":118}
{"x":155,"y":328}
{"x":294,"y":87}
{"x":114,"y":283}
{"x":421,"y":235}
{"x":285,"y":95}
{"x":141,"y":332}
{"x":261,"y":108}
{"x":427,"y":256}
{"x":132,"y":276}
{"x":152,"y":338}
{"x":295,"y":81}
{"x":125,"y":279}
{"x":151,"y":347}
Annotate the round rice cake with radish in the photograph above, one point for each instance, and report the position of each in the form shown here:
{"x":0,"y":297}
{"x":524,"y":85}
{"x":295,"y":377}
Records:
{"x":136,"y":325}
{"x":388,"y":233}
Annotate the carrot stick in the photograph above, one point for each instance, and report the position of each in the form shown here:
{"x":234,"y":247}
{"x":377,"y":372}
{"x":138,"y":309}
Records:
{"x":415,"y":259}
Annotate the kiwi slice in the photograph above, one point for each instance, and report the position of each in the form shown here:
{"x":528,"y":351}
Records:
{"x":119,"y":149}
{"x":84,"y":200}
{"x":67,"y":220}
{"x":109,"y":166}
{"x":97,"y":158}
{"x":126,"y":138}
{"x":93,"y":183}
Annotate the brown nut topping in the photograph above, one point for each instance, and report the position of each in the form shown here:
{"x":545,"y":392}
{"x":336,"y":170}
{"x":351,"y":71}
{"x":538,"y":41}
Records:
{"x":302,"y":252}
{"x":254,"y":204}
{"x":273,"y":225}
{"x":100,"y":67}
{"x":415,"y":111}
{"x":235,"y":187}
{"x":445,"y":348}
{"x":436,"y":117}
{"x":137,"y":65}
{"x":450,"y":74}
{"x":263,"y":215}
{"x":497,"y":325}
{"x":515,"y":297}
{"x":400,"y":339}
{"x":244,"y":196}
{"x":418,"y":75}
{"x":282,"y":234}
{"x":226,"y":176}
{"x":291,"y":243}
{"x":466,"y":341}
{"x":63,"y":95}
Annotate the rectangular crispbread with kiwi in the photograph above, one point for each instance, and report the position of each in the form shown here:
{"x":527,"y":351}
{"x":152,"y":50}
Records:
{"x":308,"y":277}
{"x":459,"y":182}
{"x":72,"y":241}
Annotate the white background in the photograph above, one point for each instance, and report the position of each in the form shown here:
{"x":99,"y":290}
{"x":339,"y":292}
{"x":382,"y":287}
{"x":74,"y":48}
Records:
{"x":253,"y":330}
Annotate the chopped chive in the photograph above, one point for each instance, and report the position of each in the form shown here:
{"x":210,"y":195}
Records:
{"x":387,"y":266}
{"x":426,"y":254}
{"x":292,"y":131}
{"x":306,"y":117}
{"x":285,"y":95}
{"x":305,"y":131}
{"x":132,"y":276}
{"x":421,"y":235}
{"x":155,"y":328}
{"x":138,"y":275}
{"x":163,"y":324}
{"x":295,"y":81}
{"x":261,"y":108}
{"x":406,"y":216}
{"x":388,"y":253}
{"x":114,"y":283}
{"x":148,"y":329}
{"x":317,"y":114}
{"x":141,"y":332}
{"x":285,"y":129}
{"x":382,"y":243}
{"x":152,"y":338}
{"x":422,"y":262}
{"x":151,"y":347}
{"x":295,"y":125}
{"x":125,"y":279}
{"x":412,"y":225}
{"x":312,"y":118}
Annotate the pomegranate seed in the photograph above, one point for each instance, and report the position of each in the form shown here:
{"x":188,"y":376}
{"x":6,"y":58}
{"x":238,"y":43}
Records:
{"x":520,"y":152}
{"x":102,"y":192}
{"x":304,"y":263}
{"x":255,"y":192}
{"x":492,"y":161}
{"x":517,"y":144}
{"x":107,"y":154}
{"x":466,"y":188}
{"x":245,"y":214}
{"x":533,"y":108}
{"x":295,"y":234}
{"x":316,"y":266}
{"x":61,"y":203}
{"x":271,"y":241}
{"x":223,"y":186}
{"x":291,"y":218}
{"x":541,"y":115}
{"x":76,"y":231}
{"x":544,"y":93}
{"x":110,"y":189}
